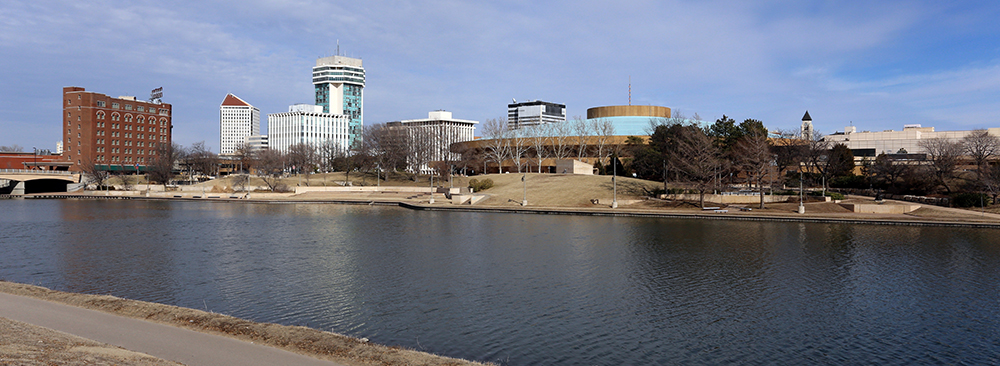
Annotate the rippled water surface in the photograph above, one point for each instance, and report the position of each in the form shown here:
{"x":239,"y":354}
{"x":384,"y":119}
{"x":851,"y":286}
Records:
{"x":535,"y":289}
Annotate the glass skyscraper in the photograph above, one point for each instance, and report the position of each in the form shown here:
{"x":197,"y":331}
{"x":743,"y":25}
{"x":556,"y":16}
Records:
{"x":340,"y":82}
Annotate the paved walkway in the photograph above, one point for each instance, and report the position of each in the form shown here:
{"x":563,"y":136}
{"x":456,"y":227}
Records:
{"x":159,"y":340}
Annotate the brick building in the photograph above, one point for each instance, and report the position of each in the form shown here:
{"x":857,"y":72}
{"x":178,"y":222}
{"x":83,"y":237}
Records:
{"x":114,"y":133}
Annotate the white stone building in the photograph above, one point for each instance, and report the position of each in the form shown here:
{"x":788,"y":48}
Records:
{"x":237,"y":120}
{"x":873,"y":143}
{"x":436,"y":133}
{"x":306,"y":123}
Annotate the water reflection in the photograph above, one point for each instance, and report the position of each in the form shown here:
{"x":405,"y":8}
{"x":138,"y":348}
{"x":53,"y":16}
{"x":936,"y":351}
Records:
{"x":535,"y":289}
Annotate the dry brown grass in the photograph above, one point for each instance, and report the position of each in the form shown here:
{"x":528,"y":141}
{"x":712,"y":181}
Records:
{"x":562,"y":190}
{"x":302,"y":340}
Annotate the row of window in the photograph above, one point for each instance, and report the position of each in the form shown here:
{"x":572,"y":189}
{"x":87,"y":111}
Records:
{"x":128,"y":107}
{"x":118,"y":159}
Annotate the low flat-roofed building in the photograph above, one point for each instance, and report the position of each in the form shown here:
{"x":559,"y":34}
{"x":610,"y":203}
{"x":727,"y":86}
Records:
{"x":873,"y":143}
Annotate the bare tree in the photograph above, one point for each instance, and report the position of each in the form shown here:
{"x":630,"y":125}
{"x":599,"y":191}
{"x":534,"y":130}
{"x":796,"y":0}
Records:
{"x":96,"y":173}
{"x":981,"y":146}
{"x":495,"y":135}
{"x":699,"y":160}
{"x":789,"y":151}
{"x":11,"y":148}
{"x":419,"y":149}
{"x":162,"y":168}
{"x":817,"y":155}
{"x":540,"y":136}
{"x":517,"y":146}
{"x":561,"y":147}
{"x":270,"y":166}
{"x":582,"y":131}
{"x":387,"y":145}
{"x":201,"y":159}
{"x":887,"y":171}
{"x":754,"y":156}
{"x":245,"y":156}
{"x":944,"y":155}
{"x":603,"y":131}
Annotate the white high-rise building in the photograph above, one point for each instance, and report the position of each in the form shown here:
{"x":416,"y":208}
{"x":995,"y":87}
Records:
{"x":339,"y":84}
{"x":307,"y":124}
{"x":437,"y":132}
{"x":237,"y":120}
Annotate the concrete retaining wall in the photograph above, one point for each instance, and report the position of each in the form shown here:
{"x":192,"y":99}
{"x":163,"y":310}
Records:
{"x":879,"y":209}
{"x":299,"y":190}
{"x":730,"y":198}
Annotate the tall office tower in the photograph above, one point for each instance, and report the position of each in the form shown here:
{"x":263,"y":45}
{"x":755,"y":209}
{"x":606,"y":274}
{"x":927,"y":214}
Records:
{"x":113,"y":133}
{"x":307,"y":124}
{"x":533,"y":113}
{"x":237,"y":120}
{"x":340,"y":82}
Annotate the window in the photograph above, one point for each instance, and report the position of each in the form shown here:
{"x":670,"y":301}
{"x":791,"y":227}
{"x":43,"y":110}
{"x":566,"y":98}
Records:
{"x":114,"y":105}
{"x":101,"y":103}
{"x":140,"y":108}
{"x":128,"y":107}
{"x":68,"y":102}
{"x":128,"y":118}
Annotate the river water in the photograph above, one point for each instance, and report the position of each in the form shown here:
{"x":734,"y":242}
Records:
{"x":535,"y":289}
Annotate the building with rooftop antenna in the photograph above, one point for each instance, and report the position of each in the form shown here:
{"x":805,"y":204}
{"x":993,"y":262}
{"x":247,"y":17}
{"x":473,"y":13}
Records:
{"x":339,"y":83}
{"x":237,"y":120}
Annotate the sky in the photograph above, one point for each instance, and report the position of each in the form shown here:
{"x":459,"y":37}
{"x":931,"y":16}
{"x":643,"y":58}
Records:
{"x":875,"y":65}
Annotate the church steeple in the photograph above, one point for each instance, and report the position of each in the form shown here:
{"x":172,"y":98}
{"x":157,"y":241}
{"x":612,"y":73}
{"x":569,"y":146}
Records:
{"x":807,"y":127}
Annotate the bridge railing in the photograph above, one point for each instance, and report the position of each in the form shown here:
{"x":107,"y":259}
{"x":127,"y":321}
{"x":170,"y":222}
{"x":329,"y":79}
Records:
{"x":30,"y":171}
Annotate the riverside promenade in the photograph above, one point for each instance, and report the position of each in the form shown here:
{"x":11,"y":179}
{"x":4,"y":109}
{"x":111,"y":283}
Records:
{"x":165,"y":343}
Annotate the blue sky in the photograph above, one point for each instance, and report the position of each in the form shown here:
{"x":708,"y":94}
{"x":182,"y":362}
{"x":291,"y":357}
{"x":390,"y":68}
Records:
{"x":876,"y":64}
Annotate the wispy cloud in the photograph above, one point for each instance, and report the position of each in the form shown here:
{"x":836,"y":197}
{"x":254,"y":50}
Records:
{"x":869,"y":62}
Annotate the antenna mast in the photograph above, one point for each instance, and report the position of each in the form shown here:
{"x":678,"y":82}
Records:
{"x":338,"y":47}
{"x":630,"y":90}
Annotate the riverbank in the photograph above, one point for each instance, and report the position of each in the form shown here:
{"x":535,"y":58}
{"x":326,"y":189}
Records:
{"x":44,"y":346}
{"x":815,"y":212}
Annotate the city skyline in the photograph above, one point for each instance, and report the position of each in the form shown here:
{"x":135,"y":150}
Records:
{"x":874,"y":65}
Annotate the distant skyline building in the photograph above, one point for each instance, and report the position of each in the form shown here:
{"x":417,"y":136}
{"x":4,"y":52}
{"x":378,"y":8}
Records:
{"x":436,"y":133}
{"x":634,"y":120}
{"x":113,"y":133}
{"x":256,"y":142}
{"x":339,"y":83}
{"x":534,"y":113}
{"x":237,"y":120}
{"x":307,"y":124}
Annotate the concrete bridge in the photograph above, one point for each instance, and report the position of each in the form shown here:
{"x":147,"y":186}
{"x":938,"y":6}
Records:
{"x":23,"y":181}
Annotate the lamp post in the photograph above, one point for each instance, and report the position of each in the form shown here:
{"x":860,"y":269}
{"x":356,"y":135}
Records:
{"x":524,"y":199}
{"x":802,"y":209}
{"x":35,"y":164}
{"x":614,"y":184}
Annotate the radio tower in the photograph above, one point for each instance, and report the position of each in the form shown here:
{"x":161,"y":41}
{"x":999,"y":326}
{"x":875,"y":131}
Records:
{"x":630,"y":90}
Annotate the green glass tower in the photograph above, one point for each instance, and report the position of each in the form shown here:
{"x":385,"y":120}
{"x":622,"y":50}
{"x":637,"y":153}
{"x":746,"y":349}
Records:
{"x":340,"y":84}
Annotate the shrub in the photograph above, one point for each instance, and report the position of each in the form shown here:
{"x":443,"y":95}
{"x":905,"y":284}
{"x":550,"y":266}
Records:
{"x":479,"y":186}
{"x":832,"y":195}
{"x":969,"y":199}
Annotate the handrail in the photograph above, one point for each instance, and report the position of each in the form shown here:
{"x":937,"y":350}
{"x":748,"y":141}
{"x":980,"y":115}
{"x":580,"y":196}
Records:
{"x":38,"y":171}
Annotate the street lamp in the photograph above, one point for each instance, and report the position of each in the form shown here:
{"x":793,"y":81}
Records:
{"x":524,"y":199}
{"x":35,"y":166}
{"x":614,"y":183}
